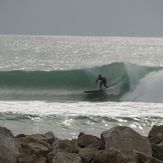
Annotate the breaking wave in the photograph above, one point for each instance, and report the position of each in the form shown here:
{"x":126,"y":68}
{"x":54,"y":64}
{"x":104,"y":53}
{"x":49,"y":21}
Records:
{"x":127,"y":82}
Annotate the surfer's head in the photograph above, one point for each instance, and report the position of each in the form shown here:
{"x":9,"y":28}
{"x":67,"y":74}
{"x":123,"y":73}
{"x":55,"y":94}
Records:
{"x":100,"y":76}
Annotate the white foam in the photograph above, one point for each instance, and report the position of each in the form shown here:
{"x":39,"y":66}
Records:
{"x":149,"y":89}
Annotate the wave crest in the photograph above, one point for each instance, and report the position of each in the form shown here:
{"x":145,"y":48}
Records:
{"x":70,"y":84}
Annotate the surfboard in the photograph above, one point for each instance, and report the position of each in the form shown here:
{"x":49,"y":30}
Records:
{"x":103,"y":91}
{"x":94,"y":91}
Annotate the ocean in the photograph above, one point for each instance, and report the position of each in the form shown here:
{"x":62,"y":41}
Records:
{"x":43,"y":79}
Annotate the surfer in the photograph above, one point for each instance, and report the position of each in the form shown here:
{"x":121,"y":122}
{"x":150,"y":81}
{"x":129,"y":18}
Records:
{"x":102,"y":81}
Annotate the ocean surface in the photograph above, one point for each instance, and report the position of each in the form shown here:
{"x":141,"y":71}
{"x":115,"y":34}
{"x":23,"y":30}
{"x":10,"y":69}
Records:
{"x":43,"y":79}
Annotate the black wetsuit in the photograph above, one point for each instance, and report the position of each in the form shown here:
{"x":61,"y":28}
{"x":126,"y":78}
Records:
{"x":103,"y":82}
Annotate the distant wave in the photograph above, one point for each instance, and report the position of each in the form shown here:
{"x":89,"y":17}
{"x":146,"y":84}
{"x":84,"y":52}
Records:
{"x":70,"y":84}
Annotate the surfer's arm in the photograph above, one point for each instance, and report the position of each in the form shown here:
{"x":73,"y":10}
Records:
{"x":97,"y":80}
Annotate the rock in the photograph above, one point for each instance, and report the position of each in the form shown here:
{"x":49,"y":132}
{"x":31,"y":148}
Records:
{"x":137,"y":157}
{"x":125,"y":138}
{"x":141,"y":158}
{"x":68,"y":146}
{"x":20,"y":136}
{"x":47,"y":137}
{"x":24,"y":158}
{"x":50,"y":137}
{"x":86,"y":154}
{"x":31,"y":145}
{"x":42,"y":160}
{"x":85,"y":140}
{"x":156,"y":139}
{"x":155,"y":131}
{"x":9,"y":151}
{"x":123,"y":156}
{"x":62,"y":157}
{"x":156,"y":134}
{"x":107,"y":156}
{"x":157,"y":151}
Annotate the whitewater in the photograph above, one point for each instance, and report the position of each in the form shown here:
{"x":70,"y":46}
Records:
{"x":43,"y":79}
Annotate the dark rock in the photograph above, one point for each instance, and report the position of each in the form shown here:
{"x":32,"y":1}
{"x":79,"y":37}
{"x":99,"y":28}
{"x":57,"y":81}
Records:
{"x":62,"y":157}
{"x":156,"y":139}
{"x":87,"y":154}
{"x":50,"y":137}
{"x":9,"y":151}
{"x":123,"y":156}
{"x":24,"y":158}
{"x":141,"y":158}
{"x":31,"y":145}
{"x":68,"y":146}
{"x":155,"y":131}
{"x":108,"y":156}
{"x":125,"y":138}
{"x":20,"y":136}
{"x":157,"y":151}
{"x":156,"y":134}
{"x":85,"y":140}
{"x":47,"y":137}
{"x":42,"y":160}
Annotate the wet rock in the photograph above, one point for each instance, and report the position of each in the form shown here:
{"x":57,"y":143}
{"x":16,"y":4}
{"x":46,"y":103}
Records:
{"x":9,"y":151}
{"x":85,"y":140}
{"x":125,"y":138}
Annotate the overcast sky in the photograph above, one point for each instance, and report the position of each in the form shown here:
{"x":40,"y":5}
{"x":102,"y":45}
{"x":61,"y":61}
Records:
{"x":82,"y":17}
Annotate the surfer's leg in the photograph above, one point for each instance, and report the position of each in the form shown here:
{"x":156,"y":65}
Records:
{"x":105,"y":86}
{"x":101,"y":85}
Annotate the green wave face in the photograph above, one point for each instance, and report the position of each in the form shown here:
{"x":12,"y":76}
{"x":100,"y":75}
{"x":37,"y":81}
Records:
{"x":126,"y":77}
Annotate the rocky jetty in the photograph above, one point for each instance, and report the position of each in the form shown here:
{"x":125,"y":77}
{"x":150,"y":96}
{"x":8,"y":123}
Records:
{"x":120,"y":144}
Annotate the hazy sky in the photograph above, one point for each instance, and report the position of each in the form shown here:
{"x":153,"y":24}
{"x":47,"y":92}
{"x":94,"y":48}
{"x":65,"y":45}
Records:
{"x":82,"y":17}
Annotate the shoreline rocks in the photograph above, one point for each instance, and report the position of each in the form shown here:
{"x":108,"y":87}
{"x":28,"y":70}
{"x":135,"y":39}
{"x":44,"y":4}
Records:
{"x":119,"y":144}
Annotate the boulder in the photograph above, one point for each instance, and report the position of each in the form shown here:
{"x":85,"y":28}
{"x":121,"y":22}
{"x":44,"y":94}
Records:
{"x":85,"y":140}
{"x":47,"y":137}
{"x":24,"y":158}
{"x":86,"y":154}
{"x":123,"y":156}
{"x":157,"y":151}
{"x":68,"y":146}
{"x":9,"y":150}
{"x":125,"y":138}
{"x":155,"y":131}
{"x":107,"y":156}
{"x":62,"y":157}
{"x":141,"y":158}
{"x":156,"y":134}
{"x":31,"y":145}
{"x":156,"y":139}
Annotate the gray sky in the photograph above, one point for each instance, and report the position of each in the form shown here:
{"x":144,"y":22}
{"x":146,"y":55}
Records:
{"x":82,"y":17}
